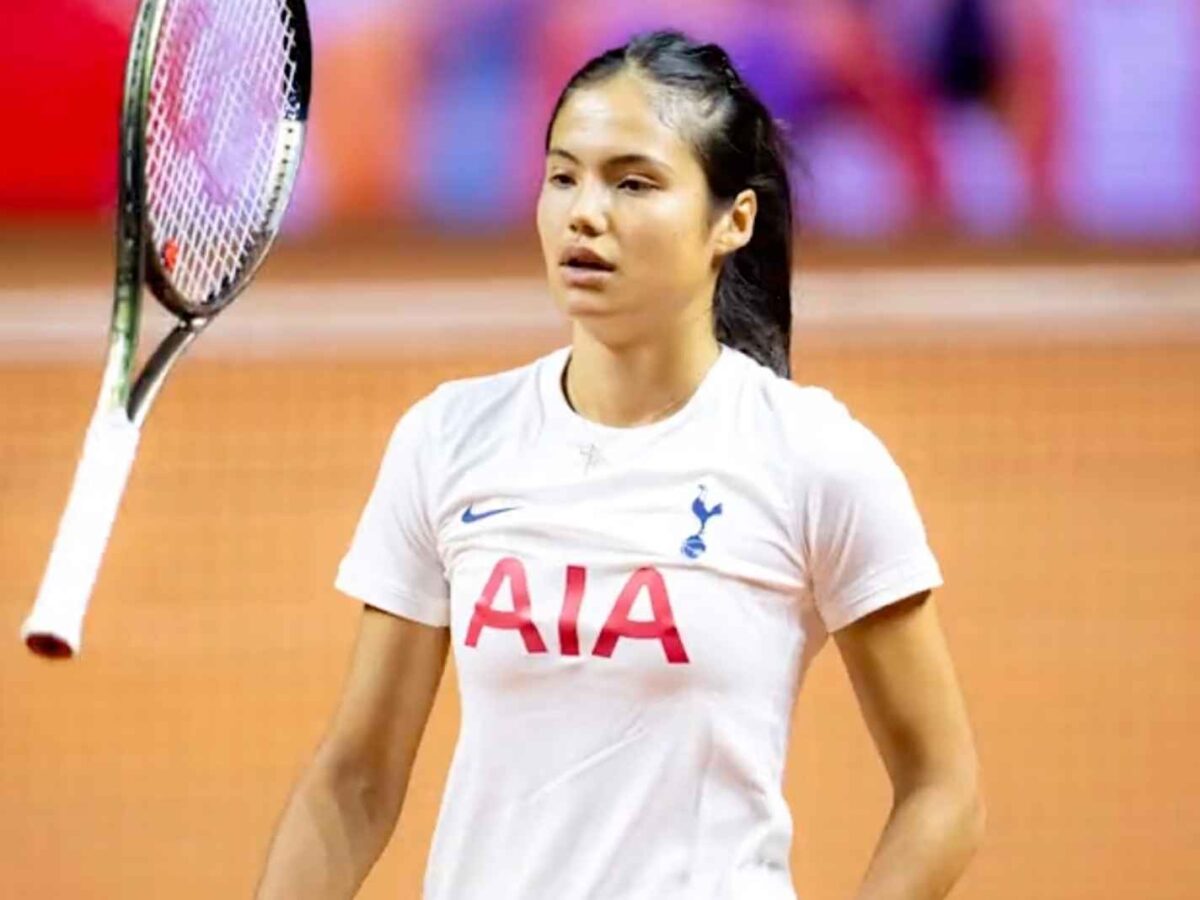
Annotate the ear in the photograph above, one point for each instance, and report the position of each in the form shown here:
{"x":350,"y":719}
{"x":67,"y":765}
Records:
{"x":735,"y":226}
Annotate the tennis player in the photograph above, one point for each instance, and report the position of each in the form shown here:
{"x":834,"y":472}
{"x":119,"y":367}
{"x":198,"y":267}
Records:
{"x":636,"y":545}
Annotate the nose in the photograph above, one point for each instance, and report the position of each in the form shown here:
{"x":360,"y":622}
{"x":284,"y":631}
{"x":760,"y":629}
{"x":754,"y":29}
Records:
{"x":588,"y":213}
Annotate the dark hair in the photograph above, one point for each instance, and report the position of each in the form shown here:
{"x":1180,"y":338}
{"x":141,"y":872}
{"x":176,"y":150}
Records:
{"x":739,"y":145}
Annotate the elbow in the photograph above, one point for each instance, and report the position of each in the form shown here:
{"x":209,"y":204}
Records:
{"x":973,"y":806}
{"x":362,"y":787}
{"x":959,"y":803}
{"x":963,"y":815}
{"x":969,"y":811}
{"x":975,"y":817}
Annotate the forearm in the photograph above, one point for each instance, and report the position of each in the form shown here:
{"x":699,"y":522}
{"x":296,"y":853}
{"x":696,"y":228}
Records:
{"x":930,"y":836}
{"x":333,"y":829}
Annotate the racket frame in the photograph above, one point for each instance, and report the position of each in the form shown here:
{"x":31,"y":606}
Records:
{"x":289,"y":144}
{"x":137,"y":265}
{"x":115,"y":387}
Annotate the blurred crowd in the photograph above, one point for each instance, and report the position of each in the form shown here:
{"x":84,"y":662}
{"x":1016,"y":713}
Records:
{"x":989,"y":117}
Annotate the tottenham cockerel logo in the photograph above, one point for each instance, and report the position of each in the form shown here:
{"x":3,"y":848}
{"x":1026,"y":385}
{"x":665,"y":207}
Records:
{"x":694,"y":544}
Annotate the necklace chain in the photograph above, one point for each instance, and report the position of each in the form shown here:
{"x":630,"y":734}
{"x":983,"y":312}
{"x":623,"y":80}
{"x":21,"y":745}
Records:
{"x":655,"y":416}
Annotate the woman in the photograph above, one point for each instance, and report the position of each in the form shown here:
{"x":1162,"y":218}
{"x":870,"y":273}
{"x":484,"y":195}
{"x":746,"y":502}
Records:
{"x":637,"y":544}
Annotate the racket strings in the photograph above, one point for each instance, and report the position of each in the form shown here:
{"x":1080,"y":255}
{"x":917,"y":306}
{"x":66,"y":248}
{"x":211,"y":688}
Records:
{"x":224,"y":80}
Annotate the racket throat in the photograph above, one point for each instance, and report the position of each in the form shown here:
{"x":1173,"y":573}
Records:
{"x":148,"y":384}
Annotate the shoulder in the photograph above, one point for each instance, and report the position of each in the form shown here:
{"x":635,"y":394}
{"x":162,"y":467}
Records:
{"x":807,"y":425}
{"x":476,"y":408}
{"x":806,"y":416}
{"x":473,"y":396}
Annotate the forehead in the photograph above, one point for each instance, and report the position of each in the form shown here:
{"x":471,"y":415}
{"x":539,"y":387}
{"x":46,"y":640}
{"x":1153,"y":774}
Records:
{"x":618,"y":116}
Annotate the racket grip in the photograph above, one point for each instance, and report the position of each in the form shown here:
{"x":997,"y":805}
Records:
{"x":54,"y":626}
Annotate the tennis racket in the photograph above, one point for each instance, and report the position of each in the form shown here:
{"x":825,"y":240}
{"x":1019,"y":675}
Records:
{"x":212,"y":129}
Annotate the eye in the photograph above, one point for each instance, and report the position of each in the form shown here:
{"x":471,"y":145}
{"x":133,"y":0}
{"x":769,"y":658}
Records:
{"x":635,"y":185}
{"x":560,"y":179}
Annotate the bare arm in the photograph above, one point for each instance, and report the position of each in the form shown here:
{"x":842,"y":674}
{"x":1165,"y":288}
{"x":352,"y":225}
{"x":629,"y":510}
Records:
{"x":904,"y":679}
{"x":345,"y":805}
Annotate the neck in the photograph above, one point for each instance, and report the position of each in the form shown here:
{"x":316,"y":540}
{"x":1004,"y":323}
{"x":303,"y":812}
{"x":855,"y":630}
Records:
{"x":636,"y":384}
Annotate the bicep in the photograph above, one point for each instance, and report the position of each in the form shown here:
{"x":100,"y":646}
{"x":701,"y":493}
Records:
{"x":395,"y":670}
{"x":901,"y":671}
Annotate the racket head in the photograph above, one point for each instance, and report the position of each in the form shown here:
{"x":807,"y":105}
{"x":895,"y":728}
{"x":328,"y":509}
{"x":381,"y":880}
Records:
{"x":224,"y":96}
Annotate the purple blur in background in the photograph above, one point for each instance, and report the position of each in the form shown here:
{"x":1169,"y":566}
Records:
{"x":991,"y":118}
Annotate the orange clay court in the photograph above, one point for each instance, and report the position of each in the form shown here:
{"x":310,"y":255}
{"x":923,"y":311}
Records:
{"x":1048,"y":420}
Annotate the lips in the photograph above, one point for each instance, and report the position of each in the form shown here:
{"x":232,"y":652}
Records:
{"x":585,"y":259}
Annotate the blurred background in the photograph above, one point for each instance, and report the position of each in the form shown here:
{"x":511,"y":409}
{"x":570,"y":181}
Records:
{"x":992,"y":119}
{"x":998,"y":272}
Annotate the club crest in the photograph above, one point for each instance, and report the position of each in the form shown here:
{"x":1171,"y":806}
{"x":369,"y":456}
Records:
{"x":694,"y":544}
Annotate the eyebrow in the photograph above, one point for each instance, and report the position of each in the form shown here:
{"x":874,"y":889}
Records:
{"x":624,"y":159}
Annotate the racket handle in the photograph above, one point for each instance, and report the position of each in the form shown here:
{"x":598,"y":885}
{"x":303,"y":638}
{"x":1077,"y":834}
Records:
{"x":54,"y":626}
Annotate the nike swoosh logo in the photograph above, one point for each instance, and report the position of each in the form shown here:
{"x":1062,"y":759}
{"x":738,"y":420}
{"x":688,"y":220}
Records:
{"x":468,"y":516}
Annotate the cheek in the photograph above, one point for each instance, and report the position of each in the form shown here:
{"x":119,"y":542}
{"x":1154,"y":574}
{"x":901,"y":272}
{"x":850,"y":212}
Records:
{"x":547,"y":220}
{"x":669,"y":241}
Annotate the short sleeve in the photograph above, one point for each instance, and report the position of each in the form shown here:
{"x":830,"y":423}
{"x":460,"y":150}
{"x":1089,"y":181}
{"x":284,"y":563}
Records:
{"x":866,"y":543}
{"x":393,"y":561}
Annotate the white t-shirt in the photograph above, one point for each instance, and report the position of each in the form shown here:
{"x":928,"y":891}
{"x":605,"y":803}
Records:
{"x":631,"y":611}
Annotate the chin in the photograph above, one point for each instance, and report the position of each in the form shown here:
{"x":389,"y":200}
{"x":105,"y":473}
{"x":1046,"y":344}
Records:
{"x":585,"y":302}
